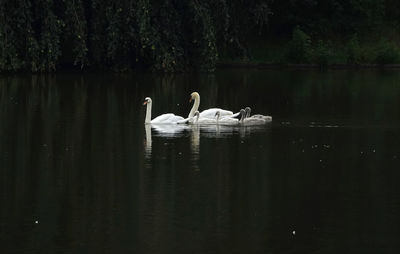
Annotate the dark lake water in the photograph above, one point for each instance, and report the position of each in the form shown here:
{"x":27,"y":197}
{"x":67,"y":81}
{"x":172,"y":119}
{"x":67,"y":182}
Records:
{"x":80,"y":173}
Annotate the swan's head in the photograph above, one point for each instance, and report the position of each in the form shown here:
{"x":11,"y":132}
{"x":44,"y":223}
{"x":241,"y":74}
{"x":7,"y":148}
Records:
{"x":147,"y":100}
{"x":248,"y":111}
{"x":194,"y":96}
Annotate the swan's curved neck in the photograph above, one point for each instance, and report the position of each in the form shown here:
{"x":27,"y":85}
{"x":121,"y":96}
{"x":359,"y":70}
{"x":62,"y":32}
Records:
{"x":148,"y":113}
{"x":195,"y":107}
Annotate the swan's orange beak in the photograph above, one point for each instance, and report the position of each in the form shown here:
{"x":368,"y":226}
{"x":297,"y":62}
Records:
{"x":190,"y":100}
{"x":145,"y":102}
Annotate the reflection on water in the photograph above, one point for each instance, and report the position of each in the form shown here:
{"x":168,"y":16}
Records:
{"x":81,"y":173}
{"x":195,"y":146}
{"x":169,"y":130}
{"x":148,"y":141}
{"x":195,"y":133}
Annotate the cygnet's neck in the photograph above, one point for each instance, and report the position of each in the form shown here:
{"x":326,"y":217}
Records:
{"x":217,"y":118}
{"x":243,"y":116}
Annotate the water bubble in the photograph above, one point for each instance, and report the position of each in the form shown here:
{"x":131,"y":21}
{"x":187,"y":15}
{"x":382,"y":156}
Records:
{"x":36,"y":222}
{"x":294,"y":232}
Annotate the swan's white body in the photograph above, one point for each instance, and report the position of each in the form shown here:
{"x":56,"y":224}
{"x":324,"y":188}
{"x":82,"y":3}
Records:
{"x":226,"y":120}
{"x":208,"y":113}
{"x":204,"y":120}
{"x":168,"y":118}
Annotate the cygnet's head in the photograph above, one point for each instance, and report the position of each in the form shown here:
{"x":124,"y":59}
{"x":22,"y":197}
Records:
{"x":217,"y":114}
{"x":194,"y":96}
{"x":196,"y":116}
{"x":147,"y":100}
{"x":248,"y":111}
{"x":242,"y":114}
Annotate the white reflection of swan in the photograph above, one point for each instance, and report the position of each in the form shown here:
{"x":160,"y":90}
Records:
{"x":169,"y":130}
{"x":217,"y":131}
{"x":195,"y":139}
{"x":195,"y":146}
{"x":148,"y":148}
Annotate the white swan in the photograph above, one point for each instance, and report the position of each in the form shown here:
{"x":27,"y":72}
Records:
{"x":228,"y":120}
{"x":168,"y":118}
{"x":257,"y":116}
{"x":208,"y":113}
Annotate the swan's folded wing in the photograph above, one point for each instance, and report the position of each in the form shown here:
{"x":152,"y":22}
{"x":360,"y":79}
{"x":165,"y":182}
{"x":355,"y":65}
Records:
{"x":210,"y":113}
{"x":175,"y":118}
{"x":235,"y":115}
{"x":167,"y":118}
{"x":183,"y":121}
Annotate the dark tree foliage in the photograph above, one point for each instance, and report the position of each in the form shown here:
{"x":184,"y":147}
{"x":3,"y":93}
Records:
{"x":161,"y":35}
{"x":330,"y":16}
{"x":173,"y":35}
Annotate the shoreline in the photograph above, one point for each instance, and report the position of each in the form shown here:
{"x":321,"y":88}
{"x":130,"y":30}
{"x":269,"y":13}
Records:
{"x":225,"y":65}
{"x":265,"y":65}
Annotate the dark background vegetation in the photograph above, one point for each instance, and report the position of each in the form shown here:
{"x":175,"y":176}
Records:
{"x":181,"y":35}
